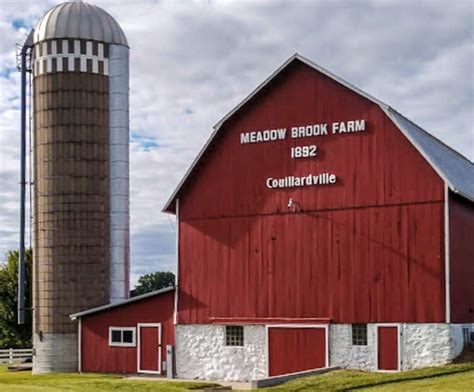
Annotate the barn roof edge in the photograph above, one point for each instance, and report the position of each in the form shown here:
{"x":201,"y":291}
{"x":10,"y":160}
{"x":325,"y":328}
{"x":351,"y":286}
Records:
{"x":406,"y":126}
{"x":75,"y":316}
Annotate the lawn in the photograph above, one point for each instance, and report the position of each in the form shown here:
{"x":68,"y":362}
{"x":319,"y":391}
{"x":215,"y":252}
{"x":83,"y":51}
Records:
{"x":25,"y":381}
{"x":459,"y":377}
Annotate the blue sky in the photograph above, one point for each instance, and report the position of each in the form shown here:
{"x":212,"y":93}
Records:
{"x":191,"y":62}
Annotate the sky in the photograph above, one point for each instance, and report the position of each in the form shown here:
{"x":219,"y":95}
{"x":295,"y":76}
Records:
{"x":192,"y":62}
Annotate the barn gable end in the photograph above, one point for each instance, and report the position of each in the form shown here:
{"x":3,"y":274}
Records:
{"x":342,"y":249}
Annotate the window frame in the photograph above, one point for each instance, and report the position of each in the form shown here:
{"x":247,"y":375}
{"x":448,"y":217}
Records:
{"x":122,"y":343}
{"x":226,"y":340}
{"x":356,"y":339}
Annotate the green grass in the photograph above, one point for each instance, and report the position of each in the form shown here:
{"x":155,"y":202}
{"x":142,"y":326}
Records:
{"x":459,"y":377}
{"x":25,"y":381}
{"x":441,"y":378}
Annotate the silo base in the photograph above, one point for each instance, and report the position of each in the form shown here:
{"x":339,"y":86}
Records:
{"x":55,"y":352}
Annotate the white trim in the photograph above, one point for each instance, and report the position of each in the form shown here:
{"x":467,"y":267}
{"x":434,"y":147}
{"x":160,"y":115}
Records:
{"x":79,"y":347}
{"x":149,"y":325}
{"x":175,"y":312}
{"x":447,"y":275}
{"x":399,"y":348}
{"x":326,"y":336}
{"x":115,"y":344}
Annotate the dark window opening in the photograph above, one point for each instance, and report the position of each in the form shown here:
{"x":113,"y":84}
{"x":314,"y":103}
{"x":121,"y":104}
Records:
{"x":89,"y":65}
{"x":77,"y":64}
{"x":65,"y":64}
{"x":127,"y":337}
{"x":71,"y":46}
{"x":83,"y":47}
{"x":116,"y":336}
{"x":234,"y":335}
{"x":359,"y":334}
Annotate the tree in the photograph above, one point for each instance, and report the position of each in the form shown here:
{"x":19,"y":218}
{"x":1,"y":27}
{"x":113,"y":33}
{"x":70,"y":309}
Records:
{"x":151,"y":282}
{"x":12,"y":334}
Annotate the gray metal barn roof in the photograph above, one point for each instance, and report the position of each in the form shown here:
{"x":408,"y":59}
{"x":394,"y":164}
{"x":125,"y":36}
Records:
{"x":79,"y":20}
{"x":455,"y":169}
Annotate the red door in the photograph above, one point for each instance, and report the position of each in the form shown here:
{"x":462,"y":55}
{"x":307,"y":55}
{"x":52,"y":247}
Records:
{"x":149,"y":348}
{"x":387,"y":349}
{"x":292,"y":350}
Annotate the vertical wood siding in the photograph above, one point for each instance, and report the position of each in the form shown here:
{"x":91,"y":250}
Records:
{"x":98,"y":356}
{"x":461,"y":225}
{"x":368,"y":248}
{"x":292,"y":350}
{"x":387,"y":348}
{"x":149,"y":342}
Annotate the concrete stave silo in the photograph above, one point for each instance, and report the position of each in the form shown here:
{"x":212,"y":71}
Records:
{"x":81,"y":174}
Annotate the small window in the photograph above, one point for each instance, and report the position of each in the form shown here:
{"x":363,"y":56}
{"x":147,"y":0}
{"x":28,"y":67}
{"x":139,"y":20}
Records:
{"x":234,"y":335}
{"x":359,"y":334}
{"x":122,"y":336}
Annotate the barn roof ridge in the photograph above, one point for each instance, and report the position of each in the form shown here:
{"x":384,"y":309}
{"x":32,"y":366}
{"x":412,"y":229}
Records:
{"x":75,"y":316}
{"x":460,"y":182}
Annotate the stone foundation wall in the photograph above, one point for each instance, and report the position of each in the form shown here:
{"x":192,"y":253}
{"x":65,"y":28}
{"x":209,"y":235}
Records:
{"x":201,"y":353}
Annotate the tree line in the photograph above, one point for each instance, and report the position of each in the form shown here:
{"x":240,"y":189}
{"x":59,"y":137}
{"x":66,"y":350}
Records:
{"x":13,"y":335}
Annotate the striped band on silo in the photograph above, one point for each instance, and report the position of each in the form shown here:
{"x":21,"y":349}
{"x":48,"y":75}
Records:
{"x":71,"y":55}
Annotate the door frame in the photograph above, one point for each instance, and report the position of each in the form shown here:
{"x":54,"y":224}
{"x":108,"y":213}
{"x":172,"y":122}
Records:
{"x":145,"y":325}
{"x":399,"y":346}
{"x":323,"y":326}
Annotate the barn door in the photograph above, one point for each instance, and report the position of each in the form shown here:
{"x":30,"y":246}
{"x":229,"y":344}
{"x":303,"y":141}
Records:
{"x":388,"y":353}
{"x":149,"y":348}
{"x":294,"y":349}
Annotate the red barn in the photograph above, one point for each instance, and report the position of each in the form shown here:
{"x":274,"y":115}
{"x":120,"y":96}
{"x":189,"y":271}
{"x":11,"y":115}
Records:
{"x":129,"y":336}
{"x":317,"y":227}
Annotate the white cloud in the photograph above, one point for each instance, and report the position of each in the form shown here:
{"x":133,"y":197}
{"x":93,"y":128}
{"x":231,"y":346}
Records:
{"x":191,"y":62}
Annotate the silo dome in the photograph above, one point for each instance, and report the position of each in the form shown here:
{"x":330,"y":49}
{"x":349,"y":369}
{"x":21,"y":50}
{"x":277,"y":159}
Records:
{"x":79,"y":20}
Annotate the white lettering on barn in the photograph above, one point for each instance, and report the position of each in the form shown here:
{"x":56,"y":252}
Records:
{"x":307,"y":151}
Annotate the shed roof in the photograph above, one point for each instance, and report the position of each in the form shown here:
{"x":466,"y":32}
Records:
{"x":125,"y":302}
{"x":456,"y":170}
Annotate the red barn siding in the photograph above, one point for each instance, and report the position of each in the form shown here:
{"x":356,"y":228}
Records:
{"x":354,"y":266}
{"x":292,"y":350}
{"x":461,"y":227}
{"x":377,"y":167}
{"x":367,"y":249}
{"x":98,"y":356}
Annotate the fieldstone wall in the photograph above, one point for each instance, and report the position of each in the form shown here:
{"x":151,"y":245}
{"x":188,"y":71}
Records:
{"x":201,"y":353}
{"x":343,"y":354}
{"x":430,"y":344}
